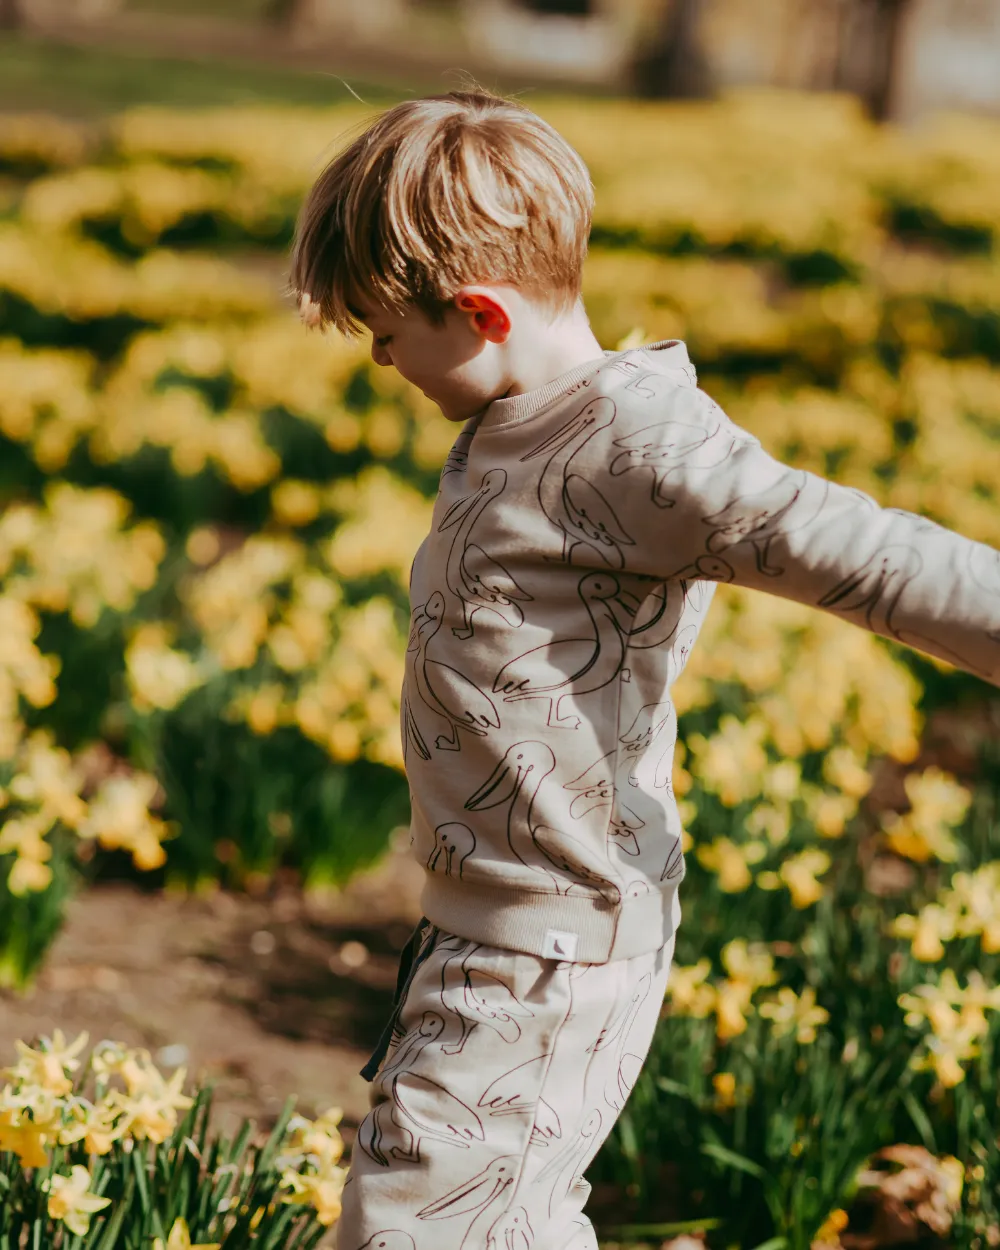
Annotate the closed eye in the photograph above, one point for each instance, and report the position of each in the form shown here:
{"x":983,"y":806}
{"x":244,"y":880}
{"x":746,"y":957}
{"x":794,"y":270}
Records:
{"x":383,"y":341}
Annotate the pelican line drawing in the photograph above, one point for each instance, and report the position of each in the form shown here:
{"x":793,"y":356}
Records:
{"x":668,"y":447}
{"x":510,"y":1094}
{"x":572,"y":503}
{"x":625,"y":1066}
{"x":570,"y":1161}
{"x":517,"y":780}
{"x":984,"y":566}
{"x":475,"y":579}
{"x":447,"y":692}
{"x":454,"y":843}
{"x":575,"y":666}
{"x":477,"y":1196}
{"x":876,"y":587}
{"x":389,"y":1239}
{"x":477,"y":997}
{"x":458,"y":458}
{"x":410,"y":1045}
{"x":595,"y":788}
{"x":421,"y":1109}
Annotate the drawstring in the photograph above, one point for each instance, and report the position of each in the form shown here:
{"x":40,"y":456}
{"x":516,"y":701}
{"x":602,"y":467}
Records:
{"x":409,"y":961}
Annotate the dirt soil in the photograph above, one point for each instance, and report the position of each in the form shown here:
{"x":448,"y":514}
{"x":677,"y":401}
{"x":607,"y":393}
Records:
{"x":266,"y":997}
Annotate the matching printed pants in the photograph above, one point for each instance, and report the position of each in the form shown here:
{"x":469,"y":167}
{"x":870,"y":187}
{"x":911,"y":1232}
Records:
{"x":503,"y":1078}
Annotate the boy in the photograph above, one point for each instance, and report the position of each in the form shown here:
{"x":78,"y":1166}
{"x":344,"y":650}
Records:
{"x":590,"y":504}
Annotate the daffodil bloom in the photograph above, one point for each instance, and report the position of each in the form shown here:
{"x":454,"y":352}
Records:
{"x":927,"y":931}
{"x":70,"y":1200}
{"x":800,"y":872}
{"x":749,"y":963}
{"x":731,"y":763}
{"x":96,"y":1126}
{"x":319,"y":1138}
{"x":724,"y":1084}
{"x":843,"y":769}
{"x":791,"y":1012}
{"x":179,"y":1238}
{"x":22,"y":1137}
{"x":321,"y":1190}
{"x":48,"y":1066}
{"x":974,"y":898}
{"x":828,"y":1233}
{"x":729,"y":859}
{"x":688,"y":992}
{"x":937,"y":804}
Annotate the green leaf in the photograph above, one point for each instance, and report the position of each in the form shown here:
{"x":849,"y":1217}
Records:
{"x":729,"y":1157}
{"x":921,"y":1121}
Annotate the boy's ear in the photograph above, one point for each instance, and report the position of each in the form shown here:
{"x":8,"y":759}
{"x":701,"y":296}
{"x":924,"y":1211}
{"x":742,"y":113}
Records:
{"x":487,"y":311}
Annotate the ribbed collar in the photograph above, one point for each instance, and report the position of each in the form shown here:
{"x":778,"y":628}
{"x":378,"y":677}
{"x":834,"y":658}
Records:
{"x":518,"y":408}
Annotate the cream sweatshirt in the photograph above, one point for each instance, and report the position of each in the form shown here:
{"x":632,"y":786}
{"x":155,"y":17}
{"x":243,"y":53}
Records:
{"x":577,"y":538}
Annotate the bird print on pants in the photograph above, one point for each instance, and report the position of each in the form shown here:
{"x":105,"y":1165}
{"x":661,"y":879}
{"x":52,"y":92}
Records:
{"x":574,"y":666}
{"x":517,"y":780}
{"x":390,"y":1239}
{"x":571,"y":1161}
{"x":479,"y":1196}
{"x":625,"y":1067}
{"x":513,"y":1094}
{"x":410,"y":1045}
{"x":476,"y":998}
{"x":476,"y":580}
{"x":443,"y":689}
{"x":512,"y":1231}
{"x":570,"y":500}
{"x":420,"y":1109}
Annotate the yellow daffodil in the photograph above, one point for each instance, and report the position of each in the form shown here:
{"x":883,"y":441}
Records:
{"x":796,"y":1013}
{"x":47,"y":1067}
{"x":320,"y":1190}
{"x":927,"y":931}
{"x":974,"y":900}
{"x":179,"y":1238}
{"x":732,"y":762}
{"x":730,"y":861}
{"x":937,"y":804}
{"x":842,"y":768}
{"x":724,"y":1084}
{"x":320,"y":1137}
{"x":98,"y":1127}
{"x":828,"y":1233}
{"x":800,"y":872}
{"x":688,"y":991}
{"x":750,"y":967}
{"x":70,"y":1200}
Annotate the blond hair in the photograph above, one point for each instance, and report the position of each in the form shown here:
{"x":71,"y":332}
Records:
{"x":436,"y":193}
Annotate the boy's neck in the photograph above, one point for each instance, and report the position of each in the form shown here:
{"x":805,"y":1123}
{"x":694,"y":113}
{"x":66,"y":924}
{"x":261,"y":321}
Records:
{"x":540,"y":350}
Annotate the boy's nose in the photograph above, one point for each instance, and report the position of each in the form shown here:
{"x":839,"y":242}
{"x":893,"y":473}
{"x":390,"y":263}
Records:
{"x":380,"y":355}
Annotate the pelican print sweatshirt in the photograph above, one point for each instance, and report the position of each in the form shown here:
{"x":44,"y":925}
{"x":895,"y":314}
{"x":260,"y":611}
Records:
{"x":577,"y":539}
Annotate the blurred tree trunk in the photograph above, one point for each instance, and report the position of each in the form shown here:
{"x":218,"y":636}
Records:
{"x":673,"y":64}
{"x":288,"y":14}
{"x":10,"y":14}
{"x":890,"y":16}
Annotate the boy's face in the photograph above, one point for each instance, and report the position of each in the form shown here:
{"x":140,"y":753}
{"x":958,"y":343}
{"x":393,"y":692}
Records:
{"x":450,"y":362}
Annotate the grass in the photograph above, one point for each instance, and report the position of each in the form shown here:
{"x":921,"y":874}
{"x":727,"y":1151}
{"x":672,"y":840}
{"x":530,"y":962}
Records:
{"x":43,"y":74}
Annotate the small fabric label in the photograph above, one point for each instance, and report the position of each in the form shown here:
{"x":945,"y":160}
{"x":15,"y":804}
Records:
{"x":559,"y":945}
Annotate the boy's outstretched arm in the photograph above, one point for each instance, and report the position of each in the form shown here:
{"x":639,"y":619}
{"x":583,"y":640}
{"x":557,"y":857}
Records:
{"x":720,"y":508}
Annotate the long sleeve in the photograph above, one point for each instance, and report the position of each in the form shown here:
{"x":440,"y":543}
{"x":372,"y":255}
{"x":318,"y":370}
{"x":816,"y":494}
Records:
{"x":719,"y":508}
